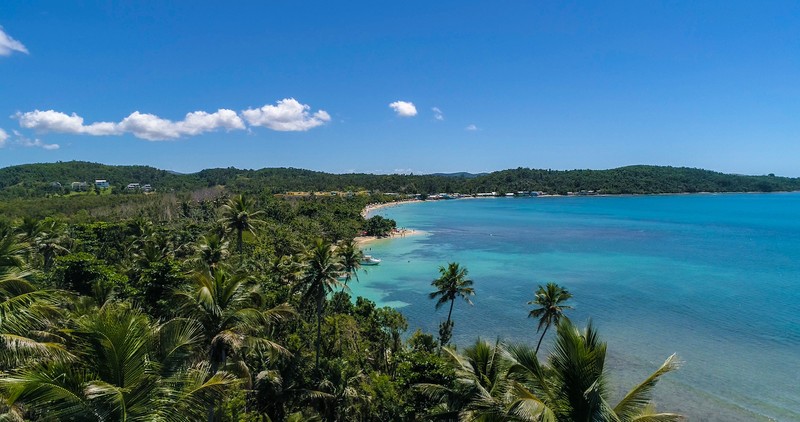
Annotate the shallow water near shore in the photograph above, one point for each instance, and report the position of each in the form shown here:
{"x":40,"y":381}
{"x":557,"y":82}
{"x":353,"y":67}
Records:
{"x":715,"y":278}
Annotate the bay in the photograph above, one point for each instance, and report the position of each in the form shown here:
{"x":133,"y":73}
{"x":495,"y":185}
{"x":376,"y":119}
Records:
{"x":714,"y":278}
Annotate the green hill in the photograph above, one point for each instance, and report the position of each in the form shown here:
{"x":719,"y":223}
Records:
{"x":36,"y":180}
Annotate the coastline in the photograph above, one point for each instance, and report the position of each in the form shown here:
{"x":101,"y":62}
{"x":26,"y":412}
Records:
{"x":396,"y":233}
{"x":707,"y":403}
{"x":364,"y":240}
{"x":370,"y":208}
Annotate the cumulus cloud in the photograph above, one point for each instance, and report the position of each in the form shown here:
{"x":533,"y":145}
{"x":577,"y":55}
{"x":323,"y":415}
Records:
{"x":287,"y":116}
{"x":404,"y":108}
{"x":9,"y":45}
{"x":56,"y":121}
{"x":142,"y":125}
{"x":20,"y":140}
{"x":437,"y":114}
{"x":154,"y":128}
{"x":471,"y":128}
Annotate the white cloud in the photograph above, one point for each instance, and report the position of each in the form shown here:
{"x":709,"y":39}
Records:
{"x":154,"y":128}
{"x":404,"y":108}
{"x":9,"y":45}
{"x":288,"y":116}
{"x":3,"y":137}
{"x":27,"y":142}
{"x":141,"y":125}
{"x":471,"y":128}
{"x":56,"y":121}
{"x":437,"y":114}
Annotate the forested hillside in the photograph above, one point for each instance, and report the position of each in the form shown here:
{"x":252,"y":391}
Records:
{"x":37,"y":180}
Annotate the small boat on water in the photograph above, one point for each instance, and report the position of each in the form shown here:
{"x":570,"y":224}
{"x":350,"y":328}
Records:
{"x":369,"y":260}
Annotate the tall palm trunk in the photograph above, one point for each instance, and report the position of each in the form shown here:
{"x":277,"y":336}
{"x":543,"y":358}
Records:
{"x":452,"y":301}
{"x":319,"y":328}
{"x":217,"y":360}
{"x":48,"y":261}
{"x":541,"y":338}
{"x":239,"y":240}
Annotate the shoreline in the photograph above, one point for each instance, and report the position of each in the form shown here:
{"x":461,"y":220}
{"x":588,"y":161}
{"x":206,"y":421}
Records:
{"x":370,"y":208}
{"x":365,"y":240}
{"x":707,"y":403}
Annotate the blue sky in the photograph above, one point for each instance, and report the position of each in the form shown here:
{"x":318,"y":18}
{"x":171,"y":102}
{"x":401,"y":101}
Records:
{"x":558,"y":85}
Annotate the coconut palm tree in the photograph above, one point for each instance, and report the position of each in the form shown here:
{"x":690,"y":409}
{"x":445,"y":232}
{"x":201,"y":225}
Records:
{"x":238,"y":216}
{"x":50,"y":241}
{"x":550,"y":308}
{"x":340,"y":395}
{"x":231,"y":310}
{"x":233,"y":314}
{"x":574,"y":385}
{"x":29,"y":319}
{"x":321,"y":278}
{"x":479,"y":389}
{"x":12,"y":252}
{"x":127,"y":368}
{"x":452,"y":283}
{"x":508,"y":383}
{"x":351,"y":257}
{"x":210,"y":251}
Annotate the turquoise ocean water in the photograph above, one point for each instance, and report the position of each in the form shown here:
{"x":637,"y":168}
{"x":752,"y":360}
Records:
{"x":715,"y":278}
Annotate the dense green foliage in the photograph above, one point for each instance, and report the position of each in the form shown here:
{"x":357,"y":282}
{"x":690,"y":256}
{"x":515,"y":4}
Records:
{"x":220,"y":307}
{"x":35,"y":180}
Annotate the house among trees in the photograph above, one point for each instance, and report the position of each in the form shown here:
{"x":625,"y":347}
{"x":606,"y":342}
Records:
{"x":101,"y":184}
{"x":80,"y":186}
{"x":147,"y":188}
{"x":132,"y":186}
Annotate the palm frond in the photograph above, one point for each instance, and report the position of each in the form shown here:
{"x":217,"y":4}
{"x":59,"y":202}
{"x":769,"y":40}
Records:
{"x":640,"y":396}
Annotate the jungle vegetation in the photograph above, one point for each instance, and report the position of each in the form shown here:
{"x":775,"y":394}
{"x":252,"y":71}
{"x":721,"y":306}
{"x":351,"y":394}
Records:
{"x":211,"y":305}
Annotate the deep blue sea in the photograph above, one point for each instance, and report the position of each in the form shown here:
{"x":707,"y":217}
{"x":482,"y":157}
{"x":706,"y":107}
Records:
{"x":715,"y":278}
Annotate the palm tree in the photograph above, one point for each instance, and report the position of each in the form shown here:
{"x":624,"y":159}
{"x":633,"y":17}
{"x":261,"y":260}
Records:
{"x":452,"y":283}
{"x":211,"y":250}
{"x":238,"y":215}
{"x":28,"y":322}
{"x":574,"y":386}
{"x":549,"y":309}
{"x":351,"y":257}
{"x":127,"y":368}
{"x":12,"y":252}
{"x":502,"y":383}
{"x":340,"y":395}
{"x":232,"y":311}
{"x":49,"y":241}
{"x":479,"y":389}
{"x":321,"y":278}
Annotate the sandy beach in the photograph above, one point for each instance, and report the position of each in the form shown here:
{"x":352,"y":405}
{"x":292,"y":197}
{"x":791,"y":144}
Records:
{"x":397,"y":233}
{"x":374,"y":207}
{"x":364,"y":240}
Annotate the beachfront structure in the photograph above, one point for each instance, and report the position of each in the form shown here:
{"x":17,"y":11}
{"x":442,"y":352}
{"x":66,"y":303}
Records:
{"x":101,"y":184}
